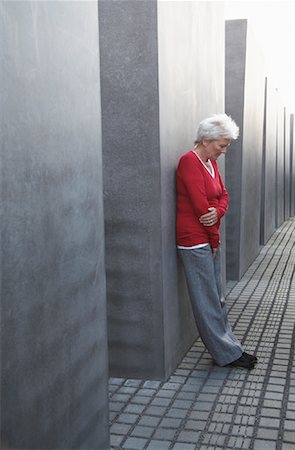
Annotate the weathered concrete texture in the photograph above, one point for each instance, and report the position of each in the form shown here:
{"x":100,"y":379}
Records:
{"x":131,"y":158}
{"x":54,"y":352}
{"x":183,"y":103}
{"x":287,"y":168}
{"x":150,"y":62}
{"x":280,"y":167}
{"x":268,"y":172}
{"x":244,"y":100}
{"x":292,"y":166}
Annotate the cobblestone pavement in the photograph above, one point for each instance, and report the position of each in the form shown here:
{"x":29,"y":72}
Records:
{"x":203,"y":406}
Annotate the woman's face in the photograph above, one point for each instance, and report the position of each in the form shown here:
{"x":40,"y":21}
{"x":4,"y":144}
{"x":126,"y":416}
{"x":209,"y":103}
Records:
{"x":217,"y":147}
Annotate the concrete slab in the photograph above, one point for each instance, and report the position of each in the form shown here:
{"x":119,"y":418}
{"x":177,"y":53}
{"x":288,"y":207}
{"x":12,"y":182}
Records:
{"x":268,"y":172}
{"x":280,"y":166}
{"x":151,"y":57}
{"x":244,"y":100}
{"x":287,"y":166}
{"x":53,"y":304}
{"x":292,"y":165}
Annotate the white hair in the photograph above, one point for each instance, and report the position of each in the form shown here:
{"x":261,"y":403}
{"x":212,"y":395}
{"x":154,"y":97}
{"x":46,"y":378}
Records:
{"x":217,"y":126}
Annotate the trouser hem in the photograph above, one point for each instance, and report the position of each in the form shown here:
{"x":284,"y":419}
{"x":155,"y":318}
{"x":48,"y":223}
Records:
{"x":231,"y":360}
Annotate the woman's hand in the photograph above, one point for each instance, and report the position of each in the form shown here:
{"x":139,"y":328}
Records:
{"x":214,"y":251}
{"x":210,"y":218}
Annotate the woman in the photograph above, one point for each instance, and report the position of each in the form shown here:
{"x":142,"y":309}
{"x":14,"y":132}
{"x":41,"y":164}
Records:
{"x":202,"y":200}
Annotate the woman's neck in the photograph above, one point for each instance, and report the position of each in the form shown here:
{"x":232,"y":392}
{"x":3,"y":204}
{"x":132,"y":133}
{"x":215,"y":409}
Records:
{"x":200,"y":151}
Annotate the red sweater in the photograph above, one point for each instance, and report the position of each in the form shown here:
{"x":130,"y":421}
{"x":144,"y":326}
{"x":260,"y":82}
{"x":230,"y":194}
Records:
{"x":197,"y":190}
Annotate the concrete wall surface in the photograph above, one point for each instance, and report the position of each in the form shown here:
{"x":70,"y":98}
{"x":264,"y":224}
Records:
{"x":155,"y":89}
{"x":183,"y":103}
{"x":54,"y":352}
{"x":235,"y":60}
{"x":287,"y":167}
{"x":280,"y":165}
{"x":131,"y":162}
{"x":244,"y":101}
{"x":268,"y":172}
{"x":252,"y":153}
{"x":292,"y":166}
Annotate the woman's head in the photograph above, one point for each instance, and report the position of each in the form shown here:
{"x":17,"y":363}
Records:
{"x":216,"y":127}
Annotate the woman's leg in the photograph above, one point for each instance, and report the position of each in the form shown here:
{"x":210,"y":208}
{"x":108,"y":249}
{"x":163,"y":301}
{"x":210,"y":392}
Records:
{"x":203,"y":279}
{"x":217,"y":271}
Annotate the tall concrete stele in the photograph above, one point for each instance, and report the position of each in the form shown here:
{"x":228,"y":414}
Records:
{"x":292,"y":165}
{"x":53,"y":304}
{"x":269,"y":158}
{"x":259,"y":167}
{"x":161,"y":73}
{"x":244,"y":100}
{"x":280,"y":164}
{"x":287,"y":164}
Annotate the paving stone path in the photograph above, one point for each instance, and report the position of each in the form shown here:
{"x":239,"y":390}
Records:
{"x":206,"y":407}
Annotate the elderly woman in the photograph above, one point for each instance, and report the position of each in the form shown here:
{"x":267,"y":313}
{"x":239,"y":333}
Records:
{"x":202,"y":200}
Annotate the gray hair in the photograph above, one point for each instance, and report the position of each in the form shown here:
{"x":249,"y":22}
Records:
{"x":217,"y":126}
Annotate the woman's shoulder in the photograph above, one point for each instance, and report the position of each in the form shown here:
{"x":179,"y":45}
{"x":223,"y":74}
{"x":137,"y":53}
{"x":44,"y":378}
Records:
{"x":189,"y":165}
{"x":188,"y":157}
{"x":188,"y":160}
{"x":189,"y":154}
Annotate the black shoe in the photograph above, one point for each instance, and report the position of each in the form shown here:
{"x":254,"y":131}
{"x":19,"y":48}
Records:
{"x":250,"y":357}
{"x":242,"y":362}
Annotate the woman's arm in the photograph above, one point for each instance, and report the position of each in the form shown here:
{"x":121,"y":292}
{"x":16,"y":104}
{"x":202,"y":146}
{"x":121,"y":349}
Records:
{"x":223,"y":201}
{"x":215,"y":214}
{"x":209,"y":219}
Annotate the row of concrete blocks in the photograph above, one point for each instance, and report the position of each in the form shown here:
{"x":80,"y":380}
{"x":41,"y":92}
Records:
{"x":103,"y":99}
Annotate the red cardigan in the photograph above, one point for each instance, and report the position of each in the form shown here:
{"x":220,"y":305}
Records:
{"x":197,"y":190}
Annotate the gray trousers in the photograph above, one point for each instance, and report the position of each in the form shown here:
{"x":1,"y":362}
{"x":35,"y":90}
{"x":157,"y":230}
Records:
{"x":203,"y":276}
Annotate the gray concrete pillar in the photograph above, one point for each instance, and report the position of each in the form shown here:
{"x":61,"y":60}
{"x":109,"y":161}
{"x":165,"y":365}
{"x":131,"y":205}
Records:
{"x":292,"y":166}
{"x":280,"y":167}
{"x":244,"y":100}
{"x":287,"y":168}
{"x":268,"y":172}
{"x":54,"y":352}
{"x":155,"y":89}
